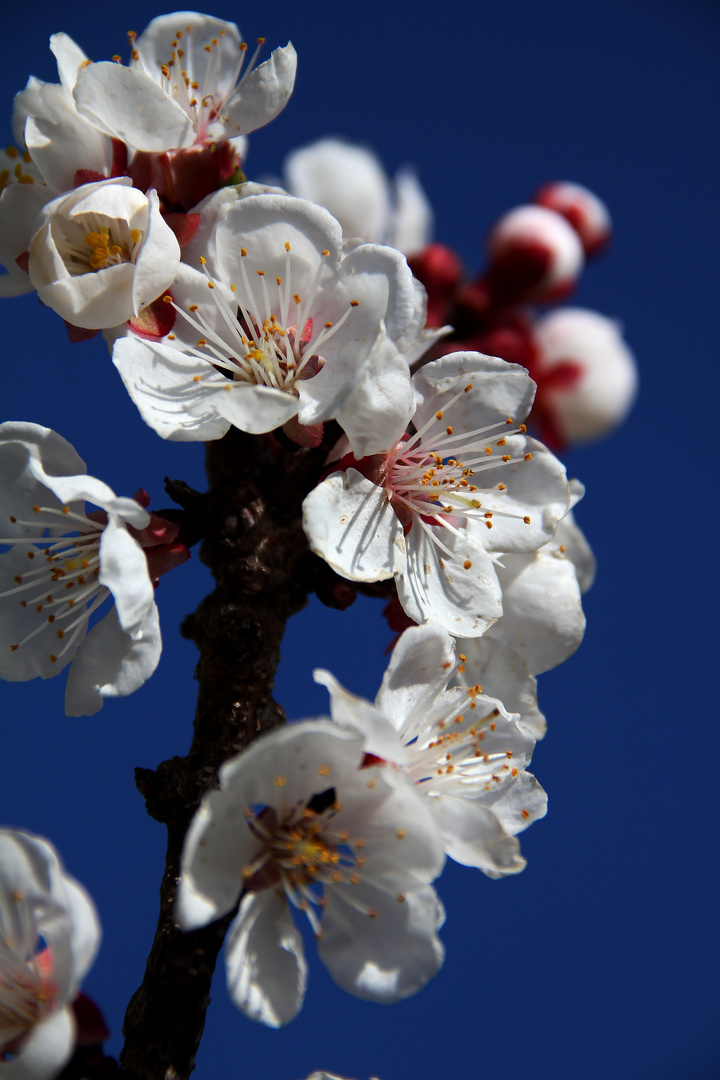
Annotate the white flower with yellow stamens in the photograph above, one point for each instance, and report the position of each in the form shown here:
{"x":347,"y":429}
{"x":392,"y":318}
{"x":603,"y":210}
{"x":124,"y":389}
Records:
{"x":458,"y":746}
{"x":187,"y":82}
{"x":62,"y":566}
{"x":49,"y":935}
{"x":298,"y":823}
{"x":280,"y":325}
{"x":102,"y":253}
{"x":440,"y":505}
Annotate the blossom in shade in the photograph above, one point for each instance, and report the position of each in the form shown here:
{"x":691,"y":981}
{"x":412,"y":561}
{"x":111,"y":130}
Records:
{"x":49,"y":935}
{"x":439,"y":506}
{"x":460,"y":748}
{"x":587,"y":375}
{"x":297,"y":823}
{"x":63,"y":564}
{"x":279,"y":326}
{"x":102,"y":253}
{"x":349,"y":181}
{"x":542,"y":622}
{"x":188,"y":82}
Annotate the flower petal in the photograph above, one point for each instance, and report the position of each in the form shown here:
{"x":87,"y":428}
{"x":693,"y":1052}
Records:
{"x":264,"y":960}
{"x":263,"y":93}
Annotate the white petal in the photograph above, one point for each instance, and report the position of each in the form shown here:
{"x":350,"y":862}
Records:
{"x":124,"y":571}
{"x":346,"y":179}
{"x":70,"y":59}
{"x":388,"y":957}
{"x":473,"y":836}
{"x":161,"y":382}
{"x":128,"y":105}
{"x":367,"y":390}
{"x":417,"y":673}
{"x":499,"y":390}
{"x":379,"y":736}
{"x":264,"y":960}
{"x":262,"y":94}
{"x":436,"y":588}
{"x":350,"y":523}
{"x":413,"y":219}
{"x":47,"y":1049}
{"x":112,"y":664}
{"x":256,"y":409}
{"x":23,"y":486}
{"x":157,"y":259}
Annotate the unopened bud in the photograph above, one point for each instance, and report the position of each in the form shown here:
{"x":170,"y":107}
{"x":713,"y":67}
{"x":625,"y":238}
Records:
{"x":587,"y":214}
{"x":587,"y":378}
{"x":534,"y":255}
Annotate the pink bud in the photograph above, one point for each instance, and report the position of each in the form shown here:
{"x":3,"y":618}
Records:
{"x":587,"y":214}
{"x":534,"y":255}
{"x":586,"y":375}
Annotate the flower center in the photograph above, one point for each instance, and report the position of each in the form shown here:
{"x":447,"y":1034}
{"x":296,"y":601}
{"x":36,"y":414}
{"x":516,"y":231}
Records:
{"x":261,"y":344}
{"x":303,"y":853}
{"x":92,"y":242}
{"x":200,"y":78}
{"x":61,"y":583}
{"x":27,"y":993}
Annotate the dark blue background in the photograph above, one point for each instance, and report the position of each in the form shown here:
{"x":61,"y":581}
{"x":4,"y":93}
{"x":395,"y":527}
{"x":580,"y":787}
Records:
{"x":600,"y":960}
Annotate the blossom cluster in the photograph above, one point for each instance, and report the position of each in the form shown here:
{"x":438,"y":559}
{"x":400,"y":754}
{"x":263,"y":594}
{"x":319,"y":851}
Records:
{"x":315,"y":315}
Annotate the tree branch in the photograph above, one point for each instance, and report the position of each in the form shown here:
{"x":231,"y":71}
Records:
{"x":264,"y":572}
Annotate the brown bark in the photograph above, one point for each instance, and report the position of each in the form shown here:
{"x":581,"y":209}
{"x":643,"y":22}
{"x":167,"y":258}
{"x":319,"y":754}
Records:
{"x":256,"y":549}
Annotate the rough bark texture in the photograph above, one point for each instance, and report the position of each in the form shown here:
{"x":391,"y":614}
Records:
{"x":256,"y":549}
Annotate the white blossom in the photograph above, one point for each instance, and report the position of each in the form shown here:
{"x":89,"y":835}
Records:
{"x":349,"y":181}
{"x":187,"y":83}
{"x":49,"y":935}
{"x":280,"y":324}
{"x":61,"y":567}
{"x":460,"y":747}
{"x":297,"y":823}
{"x":102,"y":253}
{"x":439,"y":506}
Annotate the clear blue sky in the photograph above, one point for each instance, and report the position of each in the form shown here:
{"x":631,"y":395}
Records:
{"x":600,"y":960}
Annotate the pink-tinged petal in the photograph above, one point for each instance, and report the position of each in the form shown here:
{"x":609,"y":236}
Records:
{"x":350,"y":523}
{"x":170,"y":389}
{"x":473,"y":836}
{"x":264,"y":960}
{"x":386,"y":956}
{"x":262,"y":94}
{"x":128,"y":105}
{"x":48,"y":1047}
{"x":435,"y":587}
{"x":112,"y":664}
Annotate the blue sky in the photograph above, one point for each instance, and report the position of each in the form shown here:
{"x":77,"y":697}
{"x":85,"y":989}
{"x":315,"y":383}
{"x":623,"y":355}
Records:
{"x":601,"y":958}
